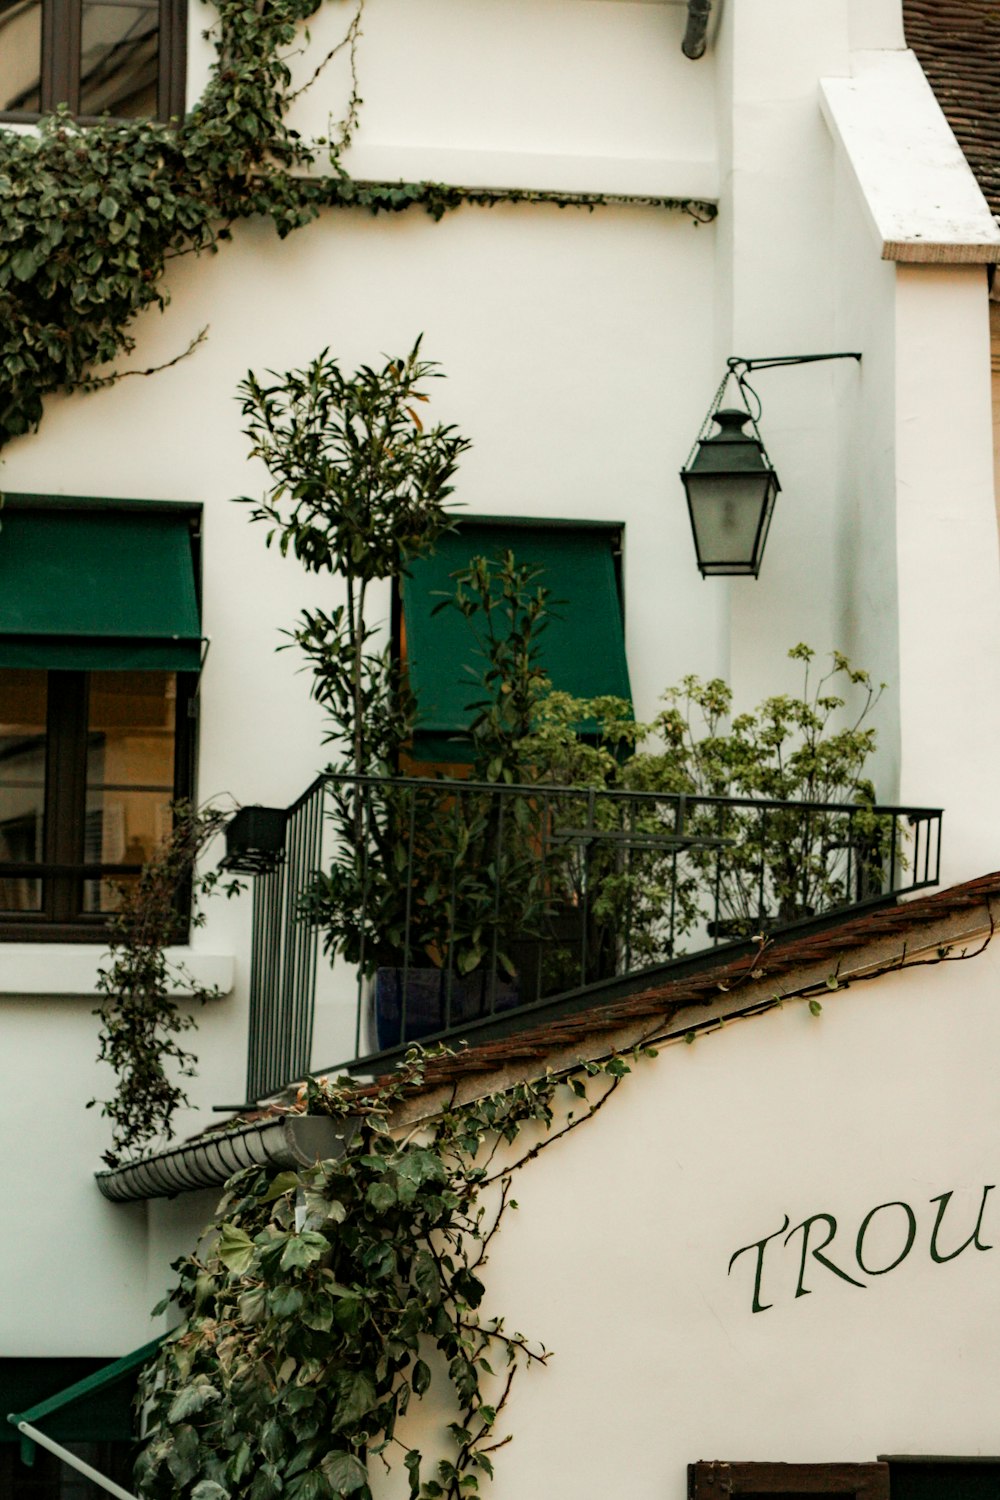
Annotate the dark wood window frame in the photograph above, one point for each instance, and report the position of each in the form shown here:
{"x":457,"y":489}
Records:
{"x":60,"y":60}
{"x":717,"y":1480}
{"x":63,"y":871}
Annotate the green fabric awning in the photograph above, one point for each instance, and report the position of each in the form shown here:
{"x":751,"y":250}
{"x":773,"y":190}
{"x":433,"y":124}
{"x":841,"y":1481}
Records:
{"x":91,"y":589}
{"x":71,"y":1400}
{"x":582,"y":650}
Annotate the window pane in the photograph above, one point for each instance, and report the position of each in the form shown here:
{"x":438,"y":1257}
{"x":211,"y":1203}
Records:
{"x":20,"y":54}
{"x":22,"y":783}
{"x":130,"y":773}
{"x":119,"y":57}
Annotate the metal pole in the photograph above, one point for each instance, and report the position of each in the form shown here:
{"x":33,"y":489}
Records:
{"x":75,"y":1463}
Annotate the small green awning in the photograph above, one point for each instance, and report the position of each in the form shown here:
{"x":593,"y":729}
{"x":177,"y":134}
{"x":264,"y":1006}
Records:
{"x":582,"y":650}
{"x":71,"y":1400}
{"x":91,"y":588}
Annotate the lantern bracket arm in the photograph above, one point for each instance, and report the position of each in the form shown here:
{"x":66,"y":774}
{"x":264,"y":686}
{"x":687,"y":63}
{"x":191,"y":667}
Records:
{"x":770,"y":362}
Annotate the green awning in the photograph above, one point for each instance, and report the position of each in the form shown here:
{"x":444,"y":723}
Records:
{"x":87,"y":589}
{"x":71,"y":1400}
{"x":582,"y":650}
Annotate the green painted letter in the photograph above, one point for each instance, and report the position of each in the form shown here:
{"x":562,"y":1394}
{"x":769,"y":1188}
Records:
{"x":805,"y":1226}
{"x":911,"y":1234}
{"x":757,"y":1245}
{"x":943,"y":1199}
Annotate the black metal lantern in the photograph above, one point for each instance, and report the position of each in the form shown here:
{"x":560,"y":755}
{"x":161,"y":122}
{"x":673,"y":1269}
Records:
{"x":255,"y":840}
{"x":730,"y":481}
{"x":731,"y":488}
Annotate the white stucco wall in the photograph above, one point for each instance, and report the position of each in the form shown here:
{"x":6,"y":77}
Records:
{"x":617,"y":1256}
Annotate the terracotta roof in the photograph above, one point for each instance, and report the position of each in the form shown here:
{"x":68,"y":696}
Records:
{"x":958,"y":45}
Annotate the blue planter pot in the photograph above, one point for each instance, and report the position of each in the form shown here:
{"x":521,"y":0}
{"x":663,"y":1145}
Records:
{"x":426,"y":1010}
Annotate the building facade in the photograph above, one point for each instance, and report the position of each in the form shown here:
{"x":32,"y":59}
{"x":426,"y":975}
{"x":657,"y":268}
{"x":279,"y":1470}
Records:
{"x":795,"y":190}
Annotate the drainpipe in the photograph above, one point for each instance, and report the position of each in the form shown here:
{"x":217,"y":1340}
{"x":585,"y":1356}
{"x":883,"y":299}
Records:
{"x":693,"y":44}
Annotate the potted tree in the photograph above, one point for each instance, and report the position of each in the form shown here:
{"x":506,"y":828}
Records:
{"x":425,"y":891}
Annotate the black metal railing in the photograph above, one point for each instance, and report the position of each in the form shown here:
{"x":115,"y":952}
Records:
{"x":463,"y":907}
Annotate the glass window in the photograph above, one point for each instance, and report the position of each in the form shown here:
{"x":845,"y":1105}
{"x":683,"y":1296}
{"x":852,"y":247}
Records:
{"x":119,"y":57}
{"x":98,"y":57}
{"x":89,"y":765}
{"x":22,"y":786}
{"x":20,"y":56}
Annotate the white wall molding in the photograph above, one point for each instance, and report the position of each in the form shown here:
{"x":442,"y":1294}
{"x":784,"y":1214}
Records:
{"x":70,"y":969}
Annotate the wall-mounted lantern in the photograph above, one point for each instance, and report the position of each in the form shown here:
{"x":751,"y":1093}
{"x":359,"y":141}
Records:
{"x":730,"y":482}
{"x":255,"y":840}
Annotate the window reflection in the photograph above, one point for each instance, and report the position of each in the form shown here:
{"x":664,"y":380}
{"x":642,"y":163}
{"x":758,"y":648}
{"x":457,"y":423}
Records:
{"x":22,"y":784}
{"x":20,"y":55}
{"x":130,"y":774}
{"x":119,"y":57}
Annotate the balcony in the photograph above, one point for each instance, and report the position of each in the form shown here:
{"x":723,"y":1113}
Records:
{"x":470,"y":910}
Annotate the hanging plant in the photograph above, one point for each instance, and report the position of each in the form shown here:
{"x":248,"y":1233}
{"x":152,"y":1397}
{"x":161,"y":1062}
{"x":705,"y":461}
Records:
{"x":311,"y":1316}
{"x":139,"y":1014}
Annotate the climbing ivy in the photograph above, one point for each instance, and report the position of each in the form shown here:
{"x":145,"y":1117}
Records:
{"x":91,"y":215}
{"x":314,"y":1308}
{"x":138,"y":984}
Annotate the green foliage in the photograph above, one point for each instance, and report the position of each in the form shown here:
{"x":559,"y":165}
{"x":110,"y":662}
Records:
{"x":748,"y":866}
{"x":325,"y":1301}
{"x":140,"y":1018}
{"x":507,"y":610}
{"x":359,"y":490}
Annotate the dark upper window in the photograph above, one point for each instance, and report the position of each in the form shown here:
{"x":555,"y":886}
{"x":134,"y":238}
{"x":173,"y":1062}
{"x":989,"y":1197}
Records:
{"x":99,"y":652}
{"x":123,"y":58}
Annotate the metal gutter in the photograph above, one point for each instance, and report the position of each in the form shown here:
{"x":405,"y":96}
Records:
{"x":283,"y":1143}
{"x":694,"y":42}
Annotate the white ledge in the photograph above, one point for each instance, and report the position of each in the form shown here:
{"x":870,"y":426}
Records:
{"x":70,"y":969}
{"x":652,"y":176}
{"x":921,"y":198}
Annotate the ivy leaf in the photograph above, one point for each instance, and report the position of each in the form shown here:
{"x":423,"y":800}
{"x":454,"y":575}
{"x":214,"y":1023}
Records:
{"x":282,"y":1184}
{"x":253,"y":1305}
{"x":236,"y":1249}
{"x":344,"y":1473}
{"x":421,"y":1377}
{"x":108,"y":207}
{"x":412,"y":1462}
{"x":303,"y":1249}
{"x":192,"y":1399}
{"x":208,"y":1489}
{"x":24,"y":264}
{"x":356,"y":1394}
{"x":381,"y":1196}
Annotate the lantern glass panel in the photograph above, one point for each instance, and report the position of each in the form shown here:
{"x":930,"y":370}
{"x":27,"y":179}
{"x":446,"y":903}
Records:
{"x":726,"y":511}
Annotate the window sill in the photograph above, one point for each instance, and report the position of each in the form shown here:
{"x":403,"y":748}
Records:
{"x":64,"y":969}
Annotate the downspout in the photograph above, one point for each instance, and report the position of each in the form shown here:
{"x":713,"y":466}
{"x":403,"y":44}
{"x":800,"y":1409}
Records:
{"x":693,"y":44}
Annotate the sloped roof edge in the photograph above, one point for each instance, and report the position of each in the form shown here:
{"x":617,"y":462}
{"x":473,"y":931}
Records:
{"x":920,"y":196}
{"x":883,"y":939}
{"x":890,"y":937}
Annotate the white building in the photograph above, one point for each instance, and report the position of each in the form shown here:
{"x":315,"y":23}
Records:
{"x":795,"y":190}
